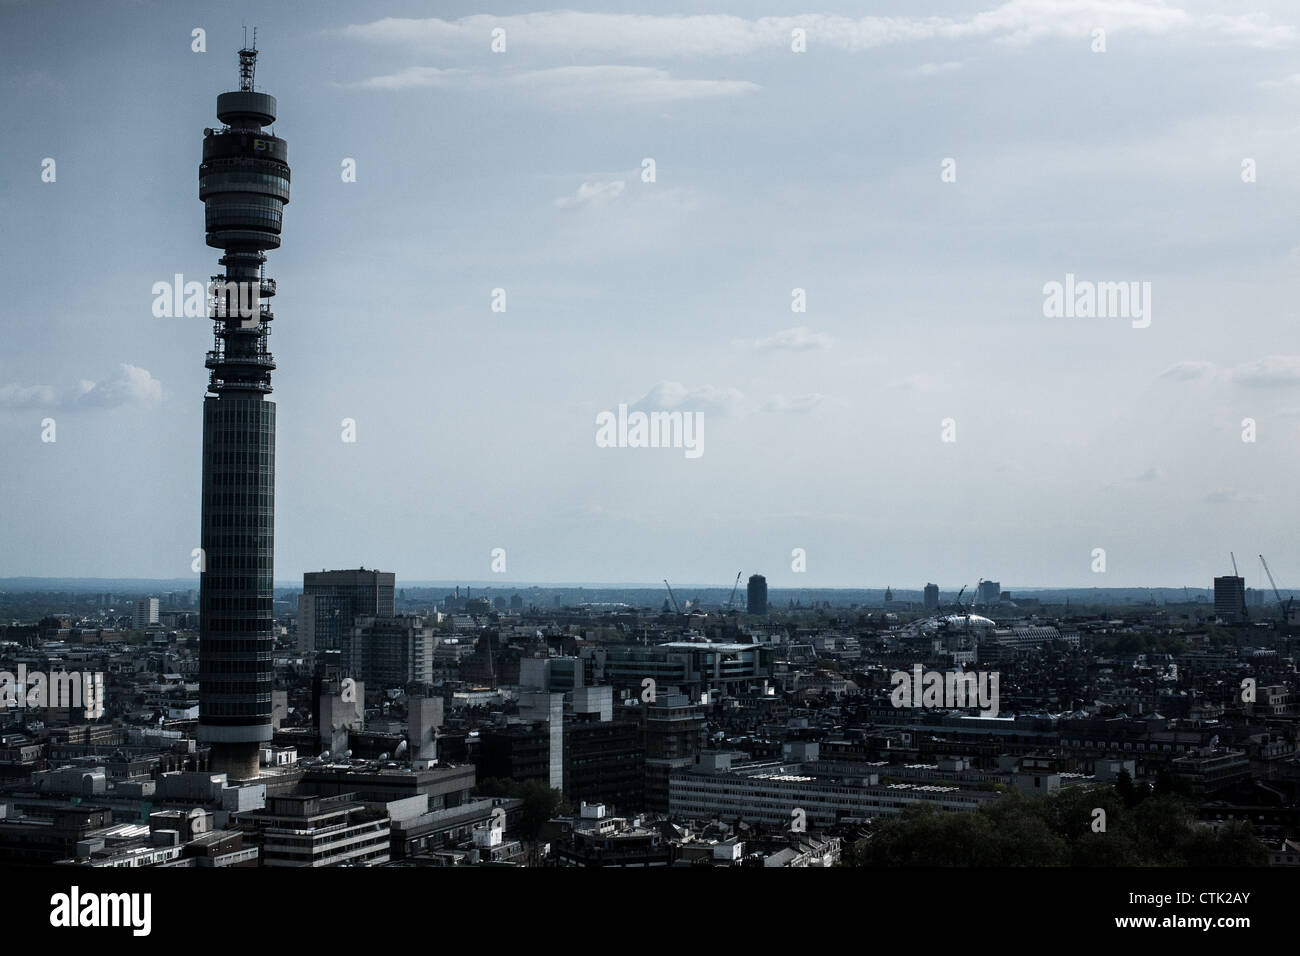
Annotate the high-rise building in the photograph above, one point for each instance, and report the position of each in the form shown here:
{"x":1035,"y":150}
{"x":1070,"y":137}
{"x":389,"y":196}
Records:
{"x":604,"y":761}
{"x":1230,"y":598}
{"x":331,"y":602}
{"x":146,"y":613}
{"x":756,"y":594}
{"x":244,"y":185}
{"x":387,"y":652}
{"x":932,"y":597}
{"x":988,"y":593}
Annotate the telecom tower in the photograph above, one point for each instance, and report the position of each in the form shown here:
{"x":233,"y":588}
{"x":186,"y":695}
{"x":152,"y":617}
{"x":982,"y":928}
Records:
{"x":244,"y":185}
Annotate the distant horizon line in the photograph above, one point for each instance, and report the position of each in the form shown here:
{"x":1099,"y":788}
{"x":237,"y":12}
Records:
{"x":193,"y":584}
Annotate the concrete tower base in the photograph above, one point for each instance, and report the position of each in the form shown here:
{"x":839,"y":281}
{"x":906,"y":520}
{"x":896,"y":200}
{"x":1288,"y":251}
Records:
{"x":239,"y":761}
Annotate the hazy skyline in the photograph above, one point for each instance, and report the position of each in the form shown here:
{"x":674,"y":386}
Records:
{"x":774,"y":171}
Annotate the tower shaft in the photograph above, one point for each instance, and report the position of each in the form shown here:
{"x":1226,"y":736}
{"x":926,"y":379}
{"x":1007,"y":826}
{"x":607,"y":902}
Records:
{"x":244,"y":184}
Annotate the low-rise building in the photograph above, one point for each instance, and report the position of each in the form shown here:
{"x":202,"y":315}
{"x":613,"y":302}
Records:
{"x":315,"y":831}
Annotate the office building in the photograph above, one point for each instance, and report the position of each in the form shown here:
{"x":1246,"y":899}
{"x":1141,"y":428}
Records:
{"x":146,"y":613}
{"x":756,"y":594}
{"x":932,"y":597}
{"x":695,"y":668}
{"x":389,"y":652}
{"x":604,"y":761}
{"x":769,"y":792}
{"x":675,"y":730}
{"x":587,"y":753}
{"x":444,"y":786}
{"x":331,"y":602}
{"x":558,"y":674}
{"x":311,"y":831}
{"x":1230,"y":598}
{"x":988,"y":593}
{"x":520,"y":752}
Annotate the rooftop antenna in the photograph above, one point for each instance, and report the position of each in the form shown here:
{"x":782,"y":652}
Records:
{"x":247,"y":62}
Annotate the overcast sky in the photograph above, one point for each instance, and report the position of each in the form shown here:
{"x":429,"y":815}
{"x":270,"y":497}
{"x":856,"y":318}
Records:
{"x":775,"y":170}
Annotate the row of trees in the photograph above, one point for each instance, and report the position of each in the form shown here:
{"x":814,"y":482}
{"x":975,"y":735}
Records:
{"x":1142,"y":827}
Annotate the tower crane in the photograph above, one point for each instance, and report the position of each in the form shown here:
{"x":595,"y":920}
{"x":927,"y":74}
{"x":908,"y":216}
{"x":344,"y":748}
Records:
{"x":731,"y":601}
{"x":672,"y":595}
{"x":1284,"y":608}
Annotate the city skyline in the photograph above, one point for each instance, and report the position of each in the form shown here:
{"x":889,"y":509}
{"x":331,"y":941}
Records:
{"x":749,"y":438}
{"x":775,"y":170}
{"x":145,"y":583}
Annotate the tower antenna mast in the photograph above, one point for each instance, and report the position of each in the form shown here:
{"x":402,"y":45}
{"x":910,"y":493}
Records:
{"x":247,"y":62}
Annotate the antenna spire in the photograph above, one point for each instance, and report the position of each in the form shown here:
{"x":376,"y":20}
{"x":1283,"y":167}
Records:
{"x":247,"y":62}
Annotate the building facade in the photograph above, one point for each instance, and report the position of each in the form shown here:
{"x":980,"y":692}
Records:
{"x":146,"y":613}
{"x":313,"y":831}
{"x":386,"y":652}
{"x":932,"y":597}
{"x":782,"y":794}
{"x":331,"y":602}
{"x":1230,"y":598}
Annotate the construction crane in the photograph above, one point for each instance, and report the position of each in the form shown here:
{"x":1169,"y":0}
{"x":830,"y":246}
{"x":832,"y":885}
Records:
{"x":731,"y":601}
{"x":1234,"y":565}
{"x":1284,"y":608}
{"x":672,"y":595}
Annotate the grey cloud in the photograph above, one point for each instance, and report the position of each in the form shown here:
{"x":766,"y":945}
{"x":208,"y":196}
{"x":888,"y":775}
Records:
{"x":1274,"y":370}
{"x":709,"y":398}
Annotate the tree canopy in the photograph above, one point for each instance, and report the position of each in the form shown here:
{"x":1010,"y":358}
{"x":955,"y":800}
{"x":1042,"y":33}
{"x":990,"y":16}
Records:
{"x":1143,"y":827}
{"x":541,"y":802}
